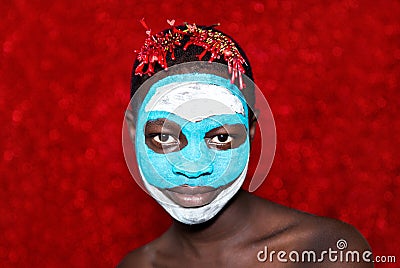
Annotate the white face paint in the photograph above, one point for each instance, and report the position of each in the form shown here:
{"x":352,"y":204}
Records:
{"x":194,"y":101}
{"x":196,"y":215}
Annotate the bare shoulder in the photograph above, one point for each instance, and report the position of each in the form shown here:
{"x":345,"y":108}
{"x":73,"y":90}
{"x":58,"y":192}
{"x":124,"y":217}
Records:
{"x":337,"y":244}
{"x":326,"y":231}
{"x":140,"y":257}
{"x":299,"y":231}
{"x":320,"y":230}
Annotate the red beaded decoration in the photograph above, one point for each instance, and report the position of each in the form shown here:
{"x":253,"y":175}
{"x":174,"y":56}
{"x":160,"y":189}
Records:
{"x":155,"y":49}
{"x":157,"y":46}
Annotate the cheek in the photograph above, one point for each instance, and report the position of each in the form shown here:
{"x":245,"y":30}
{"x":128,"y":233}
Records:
{"x":155,"y":168}
{"x":229,"y":164}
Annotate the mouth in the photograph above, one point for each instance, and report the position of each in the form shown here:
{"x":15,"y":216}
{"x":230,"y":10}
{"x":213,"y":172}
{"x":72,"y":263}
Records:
{"x":192,"y":196}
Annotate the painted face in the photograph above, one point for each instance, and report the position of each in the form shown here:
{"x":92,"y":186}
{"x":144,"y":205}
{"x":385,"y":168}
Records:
{"x":192,"y":144}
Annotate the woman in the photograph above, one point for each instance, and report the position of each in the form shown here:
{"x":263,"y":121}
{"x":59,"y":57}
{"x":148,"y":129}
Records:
{"x":191,"y":122}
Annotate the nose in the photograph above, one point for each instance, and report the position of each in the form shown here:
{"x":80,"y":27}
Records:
{"x":193,"y":169}
{"x":195,"y":160}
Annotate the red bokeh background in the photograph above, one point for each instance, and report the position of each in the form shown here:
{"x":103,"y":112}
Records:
{"x":329,"y":69}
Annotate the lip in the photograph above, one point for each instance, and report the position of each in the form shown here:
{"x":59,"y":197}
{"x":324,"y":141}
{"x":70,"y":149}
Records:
{"x":186,"y":189}
{"x":189,"y":196}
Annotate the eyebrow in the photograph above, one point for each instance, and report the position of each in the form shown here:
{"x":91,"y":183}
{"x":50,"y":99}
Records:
{"x":159,"y":122}
{"x":226,"y":128}
{"x":164,"y":123}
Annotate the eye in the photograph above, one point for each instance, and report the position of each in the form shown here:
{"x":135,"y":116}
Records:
{"x":221,"y":139}
{"x":226,"y":137}
{"x":164,"y":136}
{"x":165,"y":139}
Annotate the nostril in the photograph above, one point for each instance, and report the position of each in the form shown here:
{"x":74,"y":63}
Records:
{"x":193,"y":171}
{"x":192,"y":175}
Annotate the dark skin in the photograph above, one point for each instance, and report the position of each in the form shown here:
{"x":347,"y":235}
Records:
{"x":241,"y":230}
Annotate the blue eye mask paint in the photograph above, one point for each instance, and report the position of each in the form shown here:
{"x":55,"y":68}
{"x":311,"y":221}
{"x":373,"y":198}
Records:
{"x":196,"y":164}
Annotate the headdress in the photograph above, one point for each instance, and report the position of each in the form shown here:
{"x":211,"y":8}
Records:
{"x":157,"y":46}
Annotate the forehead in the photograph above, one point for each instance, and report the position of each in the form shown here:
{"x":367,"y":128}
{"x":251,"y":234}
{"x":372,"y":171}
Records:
{"x":194,"y":96}
{"x":194,"y":101}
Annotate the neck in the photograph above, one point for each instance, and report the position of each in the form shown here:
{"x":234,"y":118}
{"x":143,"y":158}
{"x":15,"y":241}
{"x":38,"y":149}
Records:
{"x":232,"y":220}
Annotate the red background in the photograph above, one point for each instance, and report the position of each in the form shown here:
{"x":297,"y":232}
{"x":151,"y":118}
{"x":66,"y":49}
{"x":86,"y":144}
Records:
{"x":329,"y":69}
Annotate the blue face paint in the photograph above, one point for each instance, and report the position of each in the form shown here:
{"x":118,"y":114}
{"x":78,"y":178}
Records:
{"x":196,"y":164}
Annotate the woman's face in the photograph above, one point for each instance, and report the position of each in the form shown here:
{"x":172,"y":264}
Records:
{"x":192,"y":141}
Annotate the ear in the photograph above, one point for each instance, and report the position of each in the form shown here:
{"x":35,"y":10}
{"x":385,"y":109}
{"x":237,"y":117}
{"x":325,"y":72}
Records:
{"x":253,"y":124}
{"x":130,"y":119}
